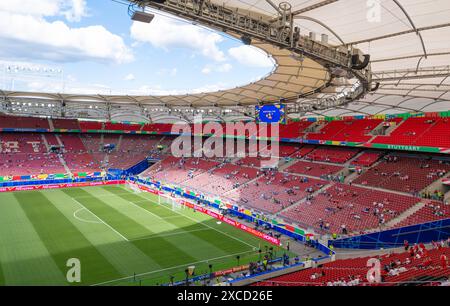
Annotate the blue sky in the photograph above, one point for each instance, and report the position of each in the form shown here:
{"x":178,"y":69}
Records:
{"x":100,"y":50}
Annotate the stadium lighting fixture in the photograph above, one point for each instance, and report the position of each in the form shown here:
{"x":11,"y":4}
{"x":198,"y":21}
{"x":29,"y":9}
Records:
{"x":142,"y":17}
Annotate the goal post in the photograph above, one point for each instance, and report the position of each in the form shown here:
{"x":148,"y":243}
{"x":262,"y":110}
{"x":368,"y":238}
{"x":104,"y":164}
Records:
{"x":173,"y":202}
{"x":133,"y":187}
{"x":165,"y":199}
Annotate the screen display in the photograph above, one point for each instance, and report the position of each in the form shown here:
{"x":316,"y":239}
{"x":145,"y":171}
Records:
{"x":271,"y":113}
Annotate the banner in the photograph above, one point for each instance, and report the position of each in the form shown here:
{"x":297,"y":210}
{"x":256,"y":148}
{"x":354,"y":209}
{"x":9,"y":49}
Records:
{"x":406,"y":148}
{"x":44,"y":176}
{"x":58,"y":186}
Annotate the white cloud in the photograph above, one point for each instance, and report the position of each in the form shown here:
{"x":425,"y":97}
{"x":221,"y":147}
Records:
{"x":129,"y":77}
{"x":209,"y":88}
{"x":76,"y":88}
{"x":217,"y":68}
{"x":28,"y":35}
{"x":250,"y":56}
{"x":206,"y":70}
{"x":225,"y":67}
{"x":165,"y":33}
{"x":158,"y":90}
{"x":72,"y":10}
{"x":76,"y":10}
{"x":69,"y":88}
{"x":31,"y":7}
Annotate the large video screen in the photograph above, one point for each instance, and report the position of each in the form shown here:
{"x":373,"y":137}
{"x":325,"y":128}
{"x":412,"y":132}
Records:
{"x":273,"y":113}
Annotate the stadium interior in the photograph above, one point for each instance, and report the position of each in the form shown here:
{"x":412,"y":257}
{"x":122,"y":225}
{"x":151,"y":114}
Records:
{"x":351,"y":161}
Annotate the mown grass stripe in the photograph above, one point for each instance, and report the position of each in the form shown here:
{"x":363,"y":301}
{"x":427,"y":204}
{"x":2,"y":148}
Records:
{"x":225,"y":244}
{"x":202,"y":219}
{"x":2,"y":278}
{"x":160,"y":249}
{"x":124,"y":256}
{"x":25,"y":259}
{"x":63,"y":240}
{"x":184,"y":228}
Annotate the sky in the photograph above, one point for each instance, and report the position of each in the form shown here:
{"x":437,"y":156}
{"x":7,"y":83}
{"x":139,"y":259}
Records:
{"x":92,"y":46}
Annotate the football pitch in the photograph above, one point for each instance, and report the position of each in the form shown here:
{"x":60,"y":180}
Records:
{"x":119,"y":237}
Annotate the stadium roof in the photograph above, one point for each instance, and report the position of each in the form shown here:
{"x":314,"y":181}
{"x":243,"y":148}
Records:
{"x":409,"y":48}
{"x":288,"y":79}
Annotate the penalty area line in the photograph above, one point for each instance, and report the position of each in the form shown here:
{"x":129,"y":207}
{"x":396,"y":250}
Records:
{"x":197,"y":221}
{"x":101,"y":220}
{"x":170,"y":234}
{"x":146,"y":210}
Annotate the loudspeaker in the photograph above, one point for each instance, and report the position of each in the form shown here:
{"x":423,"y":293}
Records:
{"x":142,"y":17}
{"x":357,"y":64}
{"x":246,"y":40}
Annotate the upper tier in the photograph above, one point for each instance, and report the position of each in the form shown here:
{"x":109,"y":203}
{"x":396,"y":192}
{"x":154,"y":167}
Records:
{"x":429,"y":133}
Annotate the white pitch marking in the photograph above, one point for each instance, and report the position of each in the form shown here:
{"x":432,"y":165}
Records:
{"x":149,"y":212}
{"x":83,"y":220}
{"x":112,"y":228}
{"x":226,"y":234}
{"x":170,"y":268}
{"x":101,"y":196}
{"x":171,"y":234}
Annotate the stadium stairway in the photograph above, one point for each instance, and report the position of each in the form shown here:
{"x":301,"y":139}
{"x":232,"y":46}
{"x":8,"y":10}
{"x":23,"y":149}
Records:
{"x":286,"y":165}
{"x":59,"y":140}
{"x":378,"y":130}
{"x":47,"y":147}
{"x":44,"y":140}
{"x":355,"y":175}
{"x":314,"y":194}
{"x":351,"y":160}
{"x":160,"y":142}
{"x":106,"y":160}
{"x":350,"y":177}
{"x":50,"y":124}
{"x":247,"y":183}
{"x":437,"y":185}
{"x":235,"y":160}
{"x":163,"y":141}
{"x":102,"y":140}
{"x":317,"y":127}
{"x":372,"y":136}
{"x":407,"y":213}
{"x":119,"y":143}
{"x":63,"y":162}
{"x":357,"y":253}
{"x":382,"y":189}
{"x":313,"y":128}
{"x":393,"y":128}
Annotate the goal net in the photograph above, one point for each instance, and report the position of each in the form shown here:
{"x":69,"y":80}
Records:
{"x":173,"y":202}
{"x":133,"y":188}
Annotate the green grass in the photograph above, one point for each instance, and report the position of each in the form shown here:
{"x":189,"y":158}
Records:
{"x":115,"y":233}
